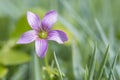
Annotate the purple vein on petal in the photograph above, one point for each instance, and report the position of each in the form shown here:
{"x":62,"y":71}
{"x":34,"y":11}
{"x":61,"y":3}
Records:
{"x":27,"y":37}
{"x":41,"y":47}
{"x":34,"y":21}
{"x":49,"y":19}
{"x":58,"y":36}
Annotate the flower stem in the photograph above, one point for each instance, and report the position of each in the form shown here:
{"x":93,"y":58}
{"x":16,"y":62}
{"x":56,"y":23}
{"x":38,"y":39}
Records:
{"x":46,"y":61}
{"x":36,"y":67}
{"x":58,"y":66}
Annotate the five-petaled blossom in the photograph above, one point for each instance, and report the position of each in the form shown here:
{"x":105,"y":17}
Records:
{"x":42,"y":32}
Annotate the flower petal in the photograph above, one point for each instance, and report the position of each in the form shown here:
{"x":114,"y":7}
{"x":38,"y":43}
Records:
{"x":49,"y":19}
{"x":27,"y":37}
{"x":58,"y":36}
{"x":34,"y":21}
{"x":41,"y":47}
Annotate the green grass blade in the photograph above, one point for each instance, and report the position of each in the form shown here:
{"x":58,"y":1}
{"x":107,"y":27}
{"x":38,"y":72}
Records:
{"x":20,"y":74}
{"x":112,"y":67}
{"x":100,"y":72}
{"x":108,"y":19}
{"x":77,"y":17}
{"x":77,"y":68}
{"x":86,"y":73}
{"x":117,"y":72}
{"x":104,"y":38}
{"x":92,"y":65}
{"x":106,"y":72}
{"x":58,"y":66}
{"x":71,"y":28}
{"x":113,"y":76}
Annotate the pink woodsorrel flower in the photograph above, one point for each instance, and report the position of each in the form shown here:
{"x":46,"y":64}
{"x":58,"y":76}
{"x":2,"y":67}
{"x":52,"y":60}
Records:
{"x":42,"y":32}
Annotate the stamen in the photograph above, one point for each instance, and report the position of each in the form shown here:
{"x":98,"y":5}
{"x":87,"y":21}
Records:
{"x":43,"y":34}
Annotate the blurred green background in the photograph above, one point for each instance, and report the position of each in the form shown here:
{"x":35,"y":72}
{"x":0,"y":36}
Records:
{"x":91,"y":53}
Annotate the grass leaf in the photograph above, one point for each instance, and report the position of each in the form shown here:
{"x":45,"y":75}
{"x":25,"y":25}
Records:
{"x":13,"y":57}
{"x":77,"y":69}
{"x":3,"y":71}
{"x":86,"y":73}
{"x":100,"y":72}
{"x":104,"y":38}
{"x":112,"y":67}
{"x":92,"y":65}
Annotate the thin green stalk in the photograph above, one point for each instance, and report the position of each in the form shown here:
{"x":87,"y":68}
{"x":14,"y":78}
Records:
{"x":47,"y":65}
{"x":58,"y":66}
{"x":36,"y":68}
{"x":46,"y":62}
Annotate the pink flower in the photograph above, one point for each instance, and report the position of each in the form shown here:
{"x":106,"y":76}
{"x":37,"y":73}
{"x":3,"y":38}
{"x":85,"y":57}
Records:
{"x":42,"y":32}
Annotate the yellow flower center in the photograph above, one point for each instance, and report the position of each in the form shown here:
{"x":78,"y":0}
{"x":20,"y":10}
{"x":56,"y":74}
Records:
{"x":43,"y":34}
